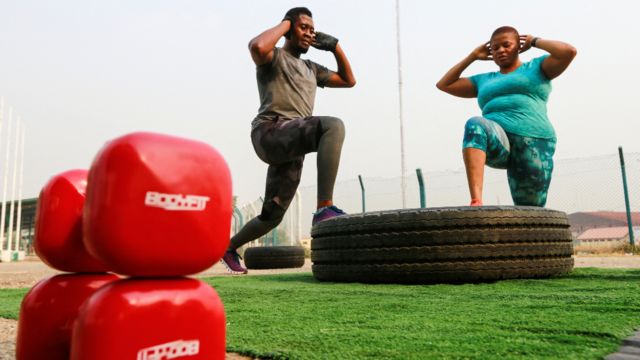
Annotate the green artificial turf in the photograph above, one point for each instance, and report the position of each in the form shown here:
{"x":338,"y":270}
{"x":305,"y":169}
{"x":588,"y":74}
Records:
{"x":10,"y":300}
{"x":584,"y":315}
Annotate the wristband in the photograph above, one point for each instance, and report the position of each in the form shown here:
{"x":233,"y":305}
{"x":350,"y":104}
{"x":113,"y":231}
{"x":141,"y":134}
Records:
{"x":534,"y":40}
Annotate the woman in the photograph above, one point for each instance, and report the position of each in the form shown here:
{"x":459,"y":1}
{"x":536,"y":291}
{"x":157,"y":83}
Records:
{"x":514,"y":132}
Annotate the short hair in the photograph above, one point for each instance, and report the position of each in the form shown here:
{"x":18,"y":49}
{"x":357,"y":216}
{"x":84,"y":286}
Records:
{"x":294,"y":13}
{"x":505,"y":29}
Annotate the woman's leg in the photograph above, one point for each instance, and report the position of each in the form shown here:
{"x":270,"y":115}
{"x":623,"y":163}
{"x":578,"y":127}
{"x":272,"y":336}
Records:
{"x":530,"y":169}
{"x":484,"y":143}
{"x":474,"y":161}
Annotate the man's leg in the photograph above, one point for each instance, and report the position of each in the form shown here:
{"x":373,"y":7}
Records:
{"x":484,"y":143}
{"x":530,"y":169}
{"x":329,"y":150}
{"x":282,"y":182}
{"x":286,"y":139}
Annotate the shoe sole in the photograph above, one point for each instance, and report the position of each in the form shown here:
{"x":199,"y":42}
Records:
{"x":230,"y":270}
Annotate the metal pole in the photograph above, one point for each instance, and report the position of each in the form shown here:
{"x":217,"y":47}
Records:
{"x":3,"y":209}
{"x":5,"y":179}
{"x":402,"y":179}
{"x":20,"y":183}
{"x":299,"y":216}
{"x":14,"y":180}
{"x":290,"y":226}
{"x":626,"y":197}
{"x":423,"y":200}
{"x":362,"y":188}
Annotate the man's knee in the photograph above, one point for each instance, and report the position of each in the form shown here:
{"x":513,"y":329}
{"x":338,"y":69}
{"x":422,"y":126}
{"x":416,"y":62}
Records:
{"x":333,"y":124}
{"x":272,"y":213}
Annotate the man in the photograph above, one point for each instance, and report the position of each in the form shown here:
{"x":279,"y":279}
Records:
{"x":285,"y":130}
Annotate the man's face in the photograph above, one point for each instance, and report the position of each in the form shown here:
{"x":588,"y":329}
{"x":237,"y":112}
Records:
{"x":303,"y":33}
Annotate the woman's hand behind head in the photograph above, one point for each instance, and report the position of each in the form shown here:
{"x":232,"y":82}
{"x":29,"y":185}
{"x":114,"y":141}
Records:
{"x":482,"y":52}
{"x":525,"y":43}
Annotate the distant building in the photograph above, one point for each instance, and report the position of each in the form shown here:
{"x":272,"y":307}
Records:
{"x":607,"y":235}
{"x":27,"y":227}
{"x":583,"y":221}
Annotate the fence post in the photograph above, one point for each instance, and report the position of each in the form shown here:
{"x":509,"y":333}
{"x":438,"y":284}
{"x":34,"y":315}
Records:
{"x":362,"y":188}
{"x":423,"y":200}
{"x":237,"y":214}
{"x":626,"y":197}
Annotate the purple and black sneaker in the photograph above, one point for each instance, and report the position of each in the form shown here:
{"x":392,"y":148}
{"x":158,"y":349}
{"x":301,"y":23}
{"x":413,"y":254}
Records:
{"x":326,"y":213}
{"x":231,"y":260}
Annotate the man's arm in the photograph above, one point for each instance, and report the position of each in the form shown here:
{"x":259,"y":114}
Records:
{"x":261,"y":46}
{"x":344,"y":76}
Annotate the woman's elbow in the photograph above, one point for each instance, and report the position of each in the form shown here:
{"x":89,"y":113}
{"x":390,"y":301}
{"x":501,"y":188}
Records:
{"x":570,"y":52}
{"x":440,"y":86}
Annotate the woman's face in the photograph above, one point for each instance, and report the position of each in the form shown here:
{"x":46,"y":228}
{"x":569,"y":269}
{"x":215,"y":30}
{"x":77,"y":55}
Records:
{"x":505,"y":48}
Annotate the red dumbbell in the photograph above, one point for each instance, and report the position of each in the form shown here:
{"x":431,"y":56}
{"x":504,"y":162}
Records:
{"x":147,"y":319}
{"x":158,"y":205}
{"x":48,"y":311}
{"x":58,"y":236}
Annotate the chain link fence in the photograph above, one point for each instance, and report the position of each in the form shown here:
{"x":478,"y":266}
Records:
{"x":578,"y":185}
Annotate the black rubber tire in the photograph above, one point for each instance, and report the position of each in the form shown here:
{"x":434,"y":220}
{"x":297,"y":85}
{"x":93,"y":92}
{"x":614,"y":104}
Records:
{"x":441,"y":219}
{"x":417,"y":254}
{"x":442,"y":237}
{"x":444,"y":272}
{"x":443,"y":245}
{"x":274,"y":257}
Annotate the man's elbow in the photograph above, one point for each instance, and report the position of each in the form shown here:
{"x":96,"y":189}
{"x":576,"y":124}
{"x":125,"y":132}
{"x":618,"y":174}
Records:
{"x":257,"y":49}
{"x":440,"y":86}
{"x":351,"y":83}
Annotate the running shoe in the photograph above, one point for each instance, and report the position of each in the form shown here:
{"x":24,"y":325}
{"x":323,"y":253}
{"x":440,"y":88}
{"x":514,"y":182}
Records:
{"x":326,"y":213}
{"x":231,"y":260}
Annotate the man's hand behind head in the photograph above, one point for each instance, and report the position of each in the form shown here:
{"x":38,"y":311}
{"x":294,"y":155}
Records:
{"x":325,"y":42}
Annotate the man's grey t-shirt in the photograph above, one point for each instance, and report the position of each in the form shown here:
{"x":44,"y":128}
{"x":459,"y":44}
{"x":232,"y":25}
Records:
{"x":287,"y":87}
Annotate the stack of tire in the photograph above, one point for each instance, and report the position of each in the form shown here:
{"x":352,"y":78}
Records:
{"x":443,"y":245}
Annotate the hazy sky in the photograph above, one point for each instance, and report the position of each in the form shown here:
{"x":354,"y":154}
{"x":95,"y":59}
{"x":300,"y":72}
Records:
{"x":81,"y":72}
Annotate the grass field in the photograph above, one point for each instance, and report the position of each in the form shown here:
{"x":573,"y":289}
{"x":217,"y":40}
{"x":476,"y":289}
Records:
{"x":584,"y":315}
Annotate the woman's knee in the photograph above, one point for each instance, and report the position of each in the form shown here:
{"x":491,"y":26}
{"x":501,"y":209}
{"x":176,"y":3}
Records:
{"x":476,"y":122}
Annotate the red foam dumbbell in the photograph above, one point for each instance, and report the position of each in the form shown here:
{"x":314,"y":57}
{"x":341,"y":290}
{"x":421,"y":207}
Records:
{"x":148,"y":319}
{"x":158,"y":205}
{"x":48,"y":311}
{"x":58,"y":234}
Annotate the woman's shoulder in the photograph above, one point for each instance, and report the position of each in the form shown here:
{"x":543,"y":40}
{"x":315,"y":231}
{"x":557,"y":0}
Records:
{"x":537,"y":61}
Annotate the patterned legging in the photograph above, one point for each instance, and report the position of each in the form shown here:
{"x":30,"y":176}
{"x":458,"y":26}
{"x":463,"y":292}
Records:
{"x":528,"y":160}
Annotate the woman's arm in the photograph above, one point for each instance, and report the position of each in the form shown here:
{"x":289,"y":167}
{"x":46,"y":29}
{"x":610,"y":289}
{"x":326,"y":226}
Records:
{"x":560,"y":54}
{"x":453,"y":84}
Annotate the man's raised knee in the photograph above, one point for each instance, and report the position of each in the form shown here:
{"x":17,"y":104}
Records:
{"x":332,"y":123}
